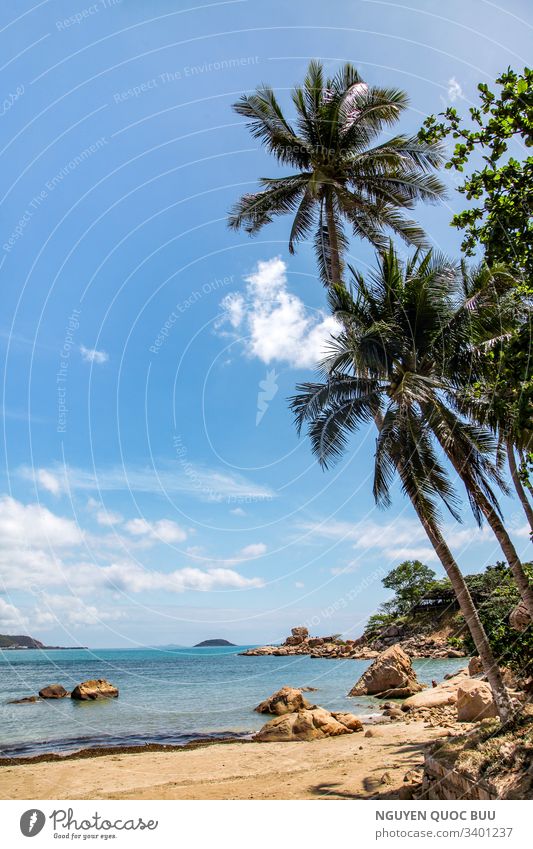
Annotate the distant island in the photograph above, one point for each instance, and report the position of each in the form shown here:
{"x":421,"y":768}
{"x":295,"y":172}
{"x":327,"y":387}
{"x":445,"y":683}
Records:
{"x":9,"y":642}
{"x":207,"y":643}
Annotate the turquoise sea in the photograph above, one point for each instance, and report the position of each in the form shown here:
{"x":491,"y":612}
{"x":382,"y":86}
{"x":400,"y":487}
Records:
{"x":166,"y":696}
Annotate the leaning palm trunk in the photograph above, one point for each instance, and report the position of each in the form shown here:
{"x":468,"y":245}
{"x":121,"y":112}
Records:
{"x":490,"y":667}
{"x":524,"y":587}
{"x":524,"y":500}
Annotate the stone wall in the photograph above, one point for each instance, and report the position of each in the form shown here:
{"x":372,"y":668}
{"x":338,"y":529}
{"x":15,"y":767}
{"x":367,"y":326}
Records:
{"x":441,"y":782}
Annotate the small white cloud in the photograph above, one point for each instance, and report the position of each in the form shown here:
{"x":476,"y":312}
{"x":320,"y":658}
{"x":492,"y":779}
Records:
{"x":275,"y":324}
{"x":107,"y":518}
{"x":91,"y":355}
{"x":238,"y":511}
{"x":162,"y":531}
{"x":299,"y":585}
{"x":455,"y":92}
{"x":249,"y":552}
{"x":48,"y":481}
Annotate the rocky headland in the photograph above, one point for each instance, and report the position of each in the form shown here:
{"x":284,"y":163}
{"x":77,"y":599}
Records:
{"x":431,"y":644}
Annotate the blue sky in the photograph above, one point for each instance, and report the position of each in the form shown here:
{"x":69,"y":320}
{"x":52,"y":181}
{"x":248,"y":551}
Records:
{"x":153,"y":487}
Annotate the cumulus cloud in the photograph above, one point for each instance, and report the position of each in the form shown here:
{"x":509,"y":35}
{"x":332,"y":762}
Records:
{"x":163,"y":530}
{"x":35,"y":525}
{"x":275,"y":324}
{"x":40,"y":550}
{"x":91,"y":355}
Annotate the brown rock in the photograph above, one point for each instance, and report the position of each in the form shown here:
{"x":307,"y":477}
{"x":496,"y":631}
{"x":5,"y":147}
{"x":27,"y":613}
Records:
{"x":443,"y":694}
{"x":91,"y":690}
{"x":313,"y":724}
{"x":475,"y":667}
{"x":474,"y":701}
{"x":27,"y":700}
{"x":390,"y":675}
{"x":286,"y":700}
{"x":301,"y":631}
{"x":349,"y":720}
{"x":53,"y":691}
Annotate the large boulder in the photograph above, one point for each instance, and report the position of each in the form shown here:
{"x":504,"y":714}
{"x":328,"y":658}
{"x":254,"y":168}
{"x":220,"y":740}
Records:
{"x":301,"y":631}
{"x":474,"y":701}
{"x":390,"y":675}
{"x":313,"y":724}
{"x":91,"y":690}
{"x":286,"y":700}
{"x":53,"y":691}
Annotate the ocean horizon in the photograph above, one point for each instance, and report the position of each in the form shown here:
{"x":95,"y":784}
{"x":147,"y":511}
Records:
{"x":167,"y":695}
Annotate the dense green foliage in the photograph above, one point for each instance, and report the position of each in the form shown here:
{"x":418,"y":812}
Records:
{"x":495,"y":593}
{"x":502,"y":187}
{"x":409,"y":581}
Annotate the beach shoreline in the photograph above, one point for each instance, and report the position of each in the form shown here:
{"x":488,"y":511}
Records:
{"x":348,"y":767}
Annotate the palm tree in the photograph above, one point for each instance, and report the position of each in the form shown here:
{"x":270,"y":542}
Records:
{"x":402,"y":356}
{"x":503,"y":399}
{"x":340,"y":176}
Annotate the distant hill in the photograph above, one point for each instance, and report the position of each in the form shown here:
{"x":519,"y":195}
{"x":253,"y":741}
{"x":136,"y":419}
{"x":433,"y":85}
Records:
{"x":9,"y":641}
{"x":207,"y":643}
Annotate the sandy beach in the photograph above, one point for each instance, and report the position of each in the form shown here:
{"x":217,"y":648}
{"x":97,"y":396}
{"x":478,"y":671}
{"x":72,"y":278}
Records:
{"x":348,"y":767}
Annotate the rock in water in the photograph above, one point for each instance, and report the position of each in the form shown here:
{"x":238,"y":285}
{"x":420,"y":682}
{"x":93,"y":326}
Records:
{"x":286,"y":700}
{"x":391,"y":675}
{"x":91,"y":690}
{"x":53,"y":691}
{"x":474,"y":701}
{"x":306,"y":725}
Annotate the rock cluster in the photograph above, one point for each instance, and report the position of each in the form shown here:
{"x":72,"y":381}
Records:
{"x":314,"y":723}
{"x":86,"y":691}
{"x":299,"y":642}
{"x":391,"y":675}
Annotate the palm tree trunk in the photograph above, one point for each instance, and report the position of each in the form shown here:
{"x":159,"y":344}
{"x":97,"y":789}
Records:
{"x":470,"y":614}
{"x":522,"y":582}
{"x":528,"y":510}
{"x":490,"y":667}
{"x":334,"y":252}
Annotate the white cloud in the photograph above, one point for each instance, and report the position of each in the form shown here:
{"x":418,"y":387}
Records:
{"x":274,"y":323}
{"x":299,"y":585}
{"x":455,"y":92}
{"x":132,"y":578}
{"x":108,"y":518}
{"x":402,"y":538}
{"x":10,"y":616}
{"x":185,"y":478}
{"x":39,"y":550}
{"x":163,"y":530}
{"x":72,"y":611}
{"x":249,"y":552}
{"x":91,"y":355}
{"x":34,"y":525}
{"x":48,"y":481}
{"x":238,"y":511}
